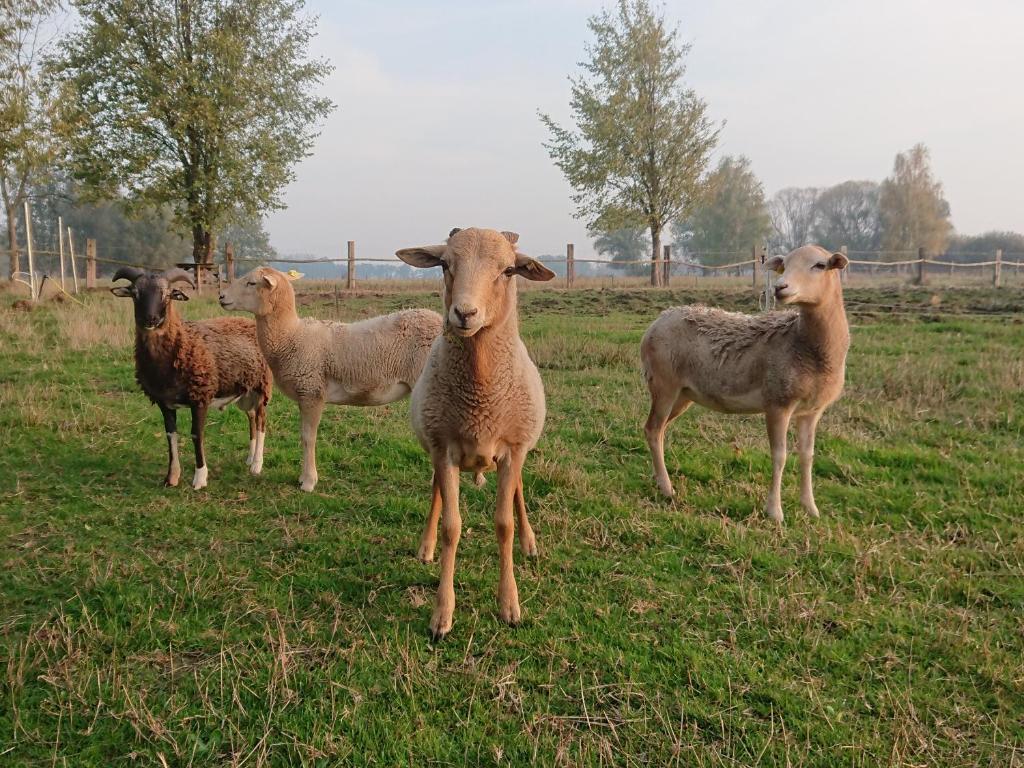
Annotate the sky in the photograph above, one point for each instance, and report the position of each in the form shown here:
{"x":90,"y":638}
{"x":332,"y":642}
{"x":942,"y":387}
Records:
{"x":437,"y":122}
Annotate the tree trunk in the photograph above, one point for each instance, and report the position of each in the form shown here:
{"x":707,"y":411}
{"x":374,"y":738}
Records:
{"x":202,"y":244}
{"x":655,"y":255}
{"x":12,"y":243}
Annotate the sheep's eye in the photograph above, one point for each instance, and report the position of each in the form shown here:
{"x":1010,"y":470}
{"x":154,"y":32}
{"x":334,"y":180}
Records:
{"x":819,"y":265}
{"x":251,"y":282}
{"x":444,"y":266}
{"x":509,"y":271}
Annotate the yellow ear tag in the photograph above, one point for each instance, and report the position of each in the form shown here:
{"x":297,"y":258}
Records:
{"x":293,"y":274}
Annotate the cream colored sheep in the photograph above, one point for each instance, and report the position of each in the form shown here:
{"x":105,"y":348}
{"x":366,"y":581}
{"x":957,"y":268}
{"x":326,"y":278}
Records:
{"x":782,"y":364}
{"x":480,"y":402}
{"x":370,"y":362}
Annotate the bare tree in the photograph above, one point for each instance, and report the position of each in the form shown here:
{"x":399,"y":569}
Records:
{"x":792,"y":211}
{"x":847,"y":214}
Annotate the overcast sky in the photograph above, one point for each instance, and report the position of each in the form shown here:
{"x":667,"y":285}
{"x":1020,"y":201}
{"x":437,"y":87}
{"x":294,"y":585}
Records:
{"x":437,"y":127}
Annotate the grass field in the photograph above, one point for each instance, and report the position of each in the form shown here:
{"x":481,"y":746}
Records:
{"x":251,"y":624}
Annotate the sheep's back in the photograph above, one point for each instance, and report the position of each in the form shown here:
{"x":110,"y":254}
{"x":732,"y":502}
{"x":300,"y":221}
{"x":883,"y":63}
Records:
{"x":235,"y":353}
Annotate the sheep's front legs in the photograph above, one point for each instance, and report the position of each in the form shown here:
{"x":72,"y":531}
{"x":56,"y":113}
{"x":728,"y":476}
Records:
{"x":257,"y":433}
{"x":429,"y":538}
{"x":310,"y":412}
{"x":806,"y":426}
{"x":447,"y":477}
{"x":173,"y":461}
{"x":198,"y":426}
{"x":778,"y":424}
{"x":509,"y":478}
{"x":527,"y":541}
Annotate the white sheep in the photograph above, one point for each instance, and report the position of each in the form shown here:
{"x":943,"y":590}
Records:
{"x":371,"y":362}
{"x":480,"y":402}
{"x":782,"y":364}
{"x":194,"y":365}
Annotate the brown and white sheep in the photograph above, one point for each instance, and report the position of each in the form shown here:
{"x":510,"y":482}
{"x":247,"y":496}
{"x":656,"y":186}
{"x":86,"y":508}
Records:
{"x":479,"y":405}
{"x":194,"y":365}
{"x":782,"y":364}
{"x":370,"y":362}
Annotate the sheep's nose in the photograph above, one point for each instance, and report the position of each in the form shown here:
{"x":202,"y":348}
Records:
{"x":464,"y":313}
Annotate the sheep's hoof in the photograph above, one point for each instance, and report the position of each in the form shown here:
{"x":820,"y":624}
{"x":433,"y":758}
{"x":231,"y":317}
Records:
{"x":255,"y":468}
{"x":171,"y":482}
{"x":440,"y":624}
{"x":667,"y":491}
{"x":425,"y":555}
{"x":528,"y":546}
{"x":510,"y":613}
{"x":812,"y":509}
{"x":307,"y":485}
{"x":200,"y":478}
{"x":774,"y":515}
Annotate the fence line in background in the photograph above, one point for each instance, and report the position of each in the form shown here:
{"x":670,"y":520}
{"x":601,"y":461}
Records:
{"x":661,"y":269}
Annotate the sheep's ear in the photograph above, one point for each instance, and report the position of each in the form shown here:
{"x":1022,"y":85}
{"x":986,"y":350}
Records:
{"x":124,"y":291}
{"x":423,"y":256}
{"x":774,"y":264}
{"x":838,"y":261}
{"x":178,"y":295}
{"x":532,"y":269}
{"x":269,"y":280}
{"x":512,"y":237}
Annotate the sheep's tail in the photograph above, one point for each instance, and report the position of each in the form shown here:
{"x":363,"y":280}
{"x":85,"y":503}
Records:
{"x":479,"y":480}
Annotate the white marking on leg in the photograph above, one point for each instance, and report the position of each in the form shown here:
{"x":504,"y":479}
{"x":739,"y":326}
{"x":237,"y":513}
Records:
{"x":252,"y":453}
{"x":199,"y":480}
{"x":257,"y":461}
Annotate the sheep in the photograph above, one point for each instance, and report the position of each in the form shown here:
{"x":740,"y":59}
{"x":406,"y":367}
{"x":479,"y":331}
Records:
{"x":371,"y":362}
{"x":195,"y":365}
{"x":781,"y":364}
{"x":480,"y":402}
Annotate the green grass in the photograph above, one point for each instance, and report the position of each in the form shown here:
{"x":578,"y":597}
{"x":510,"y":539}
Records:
{"x":251,"y":624}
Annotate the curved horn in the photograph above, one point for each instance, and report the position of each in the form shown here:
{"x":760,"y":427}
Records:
{"x":128,"y":273}
{"x":177,"y":274}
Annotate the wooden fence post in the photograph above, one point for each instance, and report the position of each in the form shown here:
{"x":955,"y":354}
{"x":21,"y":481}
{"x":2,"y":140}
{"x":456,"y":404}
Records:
{"x":920,"y":266}
{"x":842,"y":272}
{"x":753,"y":267}
{"x":229,"y":261}
{"x":997,"y":273}
{"x":668,"y":265}
{"x":570,"y":264}
{"x":90,"y":263}
{"x":350,"y":278}
{"x":60,"y":245}
{"x":28,"y":247}
{"x":71,"y":253}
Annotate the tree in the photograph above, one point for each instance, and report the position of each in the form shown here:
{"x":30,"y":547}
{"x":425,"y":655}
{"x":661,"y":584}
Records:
{"x":847,"y":214}
{"x":622,"y":245}
{"x":26,"y":140}
{"x":730,"y":218}
{"x":642,"y":140}
{"x":793,"y":213}
{"x":202,"y":106}
{"x":250,"y":240}
{"x":966,"y":248}
{"x":914,"y":213}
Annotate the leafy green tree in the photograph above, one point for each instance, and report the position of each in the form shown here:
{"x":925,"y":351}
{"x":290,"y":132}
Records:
{"x":730,"y":218}
{"x":642,"y":140}
{"x":914,"y":213}
{"x":848,"y":214}
{"x":623,"y":245}
{"x":250,"y":240}
{"x":27,"y":145}
{"x":203,"y":107}
{"x":983,"y":247}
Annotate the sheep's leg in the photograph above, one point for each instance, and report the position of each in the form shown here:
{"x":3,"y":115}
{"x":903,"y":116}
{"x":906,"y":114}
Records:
{"x":310,"y":411}
{"x":198,"y":427}
{"x":252,"y":438}
{"x":173,"y":460}
{"x":665,"y":406}
{"x":527,"y":541}
{"x":428,"y":541}
{"x":447,"y":475}
{"x":778,"y":424}
{"x":509,"y":477}
{"x":806,"y":426}
{"x":261,"y":435}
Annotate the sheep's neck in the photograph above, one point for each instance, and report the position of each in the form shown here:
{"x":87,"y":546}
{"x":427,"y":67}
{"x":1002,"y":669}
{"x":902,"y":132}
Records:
{"x":276,"y":328}
{"x":152,"y":343}
{"x":487,"y":351}
{"x":823,"y":328}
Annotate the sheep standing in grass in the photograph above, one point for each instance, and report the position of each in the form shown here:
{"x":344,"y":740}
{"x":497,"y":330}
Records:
{"x":195,"y":365}
{"x":781,"y":364}
{"x":480,"y":402}
{"x":371,"y":362}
